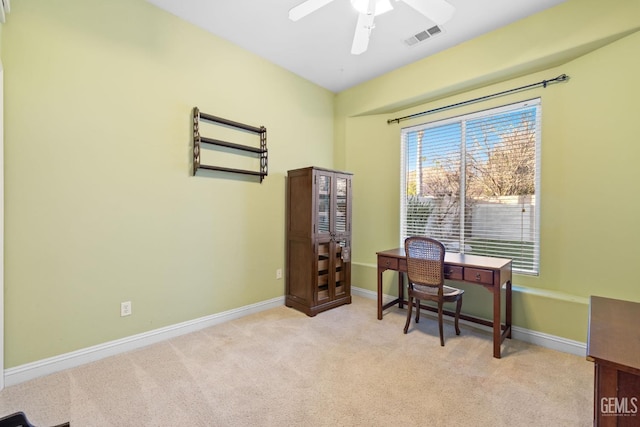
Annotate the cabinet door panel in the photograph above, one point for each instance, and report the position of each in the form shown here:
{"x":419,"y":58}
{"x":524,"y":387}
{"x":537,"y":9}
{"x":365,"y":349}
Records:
{"x":342,"y":204}
{"x":340,"y":266}
{"x":324,"y":271}
{"x":324,"y":188}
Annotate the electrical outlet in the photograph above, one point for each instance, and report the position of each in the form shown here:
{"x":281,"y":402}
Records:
{"x":125,"y":308}
{"x":279,"y":273}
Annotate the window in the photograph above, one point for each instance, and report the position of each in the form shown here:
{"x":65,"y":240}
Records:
{"x":472,"y":182}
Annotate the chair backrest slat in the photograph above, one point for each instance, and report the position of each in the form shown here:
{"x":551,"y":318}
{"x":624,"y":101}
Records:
{"x":425,"y":261}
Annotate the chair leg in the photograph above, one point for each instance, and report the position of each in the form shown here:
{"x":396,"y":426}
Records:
{"x":417,"y":310}
{"x":406,"y":325}
{"x":440,"y":323}
{"x":458,"y":307}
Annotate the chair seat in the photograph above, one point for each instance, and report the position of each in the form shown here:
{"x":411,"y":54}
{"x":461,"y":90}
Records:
{"x":449,"y":293}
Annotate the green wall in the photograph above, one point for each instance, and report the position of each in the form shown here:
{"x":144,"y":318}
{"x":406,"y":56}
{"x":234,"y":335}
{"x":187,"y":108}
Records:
{"x":100,"y":204}
{"x":589,"y":217}
{"x":101,"y":207}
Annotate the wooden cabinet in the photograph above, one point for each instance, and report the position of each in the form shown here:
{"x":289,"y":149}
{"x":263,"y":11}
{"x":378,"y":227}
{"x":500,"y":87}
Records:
{"x":318,"y":225}
{"x":613,"y":344}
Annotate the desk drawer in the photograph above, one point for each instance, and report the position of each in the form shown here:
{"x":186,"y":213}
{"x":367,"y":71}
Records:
{"x":388,"y":262}
{"x":478,"y":275}
{"x":453,"y":272}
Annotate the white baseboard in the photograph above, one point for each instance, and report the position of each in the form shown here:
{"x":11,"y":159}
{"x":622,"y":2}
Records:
{"x":54,"y":364}
{"x":533,"y":337}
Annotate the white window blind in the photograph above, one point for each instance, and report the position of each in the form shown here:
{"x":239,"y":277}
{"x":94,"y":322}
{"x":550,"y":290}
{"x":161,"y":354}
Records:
{"x":472,"y":182}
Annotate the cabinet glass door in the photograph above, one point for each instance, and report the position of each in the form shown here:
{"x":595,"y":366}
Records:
{"x":324,"y":203}
{"x":342,"y":197}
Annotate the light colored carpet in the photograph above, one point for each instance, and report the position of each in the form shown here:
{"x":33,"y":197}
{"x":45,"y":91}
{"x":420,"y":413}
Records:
{"x":341,"y":368}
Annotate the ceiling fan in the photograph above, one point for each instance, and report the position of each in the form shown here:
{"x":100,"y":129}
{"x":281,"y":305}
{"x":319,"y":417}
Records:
{"x":438,"y":11}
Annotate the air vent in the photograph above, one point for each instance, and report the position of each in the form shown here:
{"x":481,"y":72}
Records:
{"x":423,"y":35}
{"x":434,"y":30}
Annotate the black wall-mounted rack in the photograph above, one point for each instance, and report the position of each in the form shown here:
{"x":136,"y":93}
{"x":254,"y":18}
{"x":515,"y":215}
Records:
{"x":199,"y":140}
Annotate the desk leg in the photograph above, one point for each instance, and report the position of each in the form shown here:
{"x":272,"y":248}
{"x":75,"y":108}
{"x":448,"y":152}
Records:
{"x":380,"y":271}
{"x":496,"y":322}
{"x":401,"y":289}
{"x":508,"y":309}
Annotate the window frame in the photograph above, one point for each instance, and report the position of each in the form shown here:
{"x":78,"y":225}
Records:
{"x":462,"y":143}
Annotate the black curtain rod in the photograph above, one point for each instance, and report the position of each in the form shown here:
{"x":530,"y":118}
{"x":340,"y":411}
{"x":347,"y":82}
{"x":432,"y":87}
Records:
{"x":543,"y":83}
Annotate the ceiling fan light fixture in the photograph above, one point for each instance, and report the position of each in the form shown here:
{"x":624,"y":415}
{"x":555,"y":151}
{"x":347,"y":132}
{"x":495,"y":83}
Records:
{"x":379,"y":6}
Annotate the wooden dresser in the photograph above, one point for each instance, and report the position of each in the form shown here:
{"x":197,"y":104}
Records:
{"x":613,"y":344}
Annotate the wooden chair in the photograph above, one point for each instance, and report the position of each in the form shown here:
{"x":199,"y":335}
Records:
{"x":425,"y":273}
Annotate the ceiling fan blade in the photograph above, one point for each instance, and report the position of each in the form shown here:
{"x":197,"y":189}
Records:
{"x":305,"y":8}
{"x":363,"y":31}
{"x":439,"y":11}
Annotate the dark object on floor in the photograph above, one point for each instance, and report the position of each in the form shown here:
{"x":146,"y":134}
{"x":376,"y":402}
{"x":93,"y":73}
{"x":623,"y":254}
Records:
{"x":19,"y":419}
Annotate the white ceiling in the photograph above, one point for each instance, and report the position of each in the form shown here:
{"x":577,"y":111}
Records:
{"x":318,"y":46}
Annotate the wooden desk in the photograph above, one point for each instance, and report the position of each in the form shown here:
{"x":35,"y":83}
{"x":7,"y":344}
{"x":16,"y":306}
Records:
{"x":613,"y":343}
{"x":488,"y":272}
